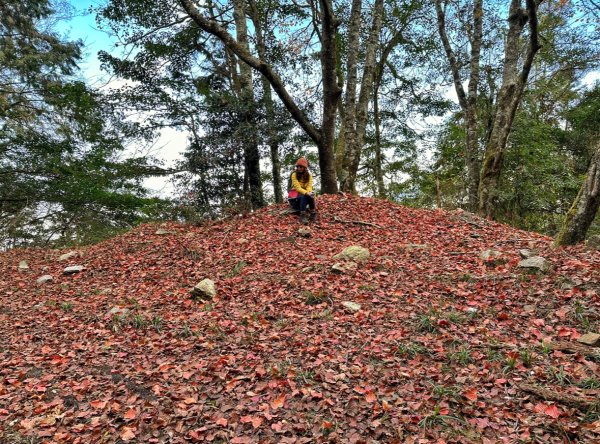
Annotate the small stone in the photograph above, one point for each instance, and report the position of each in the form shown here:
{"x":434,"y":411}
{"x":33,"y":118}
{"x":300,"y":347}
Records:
{"x":338,"y":268}
{"x":242,"y":241}
{"x":351,"y":306}
{"x":74,"y":269}
{"x":592,"y":339}
{"x":205,"y":290}
{"x":489,"y":255}
{"x":23,"y":266}
{"x":416,"y":246}
{"x":529,"y":308}
{"x":67,"y":256}
{"x":345,"y":268}
{"x":472,"y":310}
{"x":118,"y":311}
{"x":44,"y":279}
{"x":304,"y":232}
{"x":537,"y":263}
{"x":594,"y":241}
{"x":354,"y":253}
{"x":162,"y":232}
{"x":525,"y":253}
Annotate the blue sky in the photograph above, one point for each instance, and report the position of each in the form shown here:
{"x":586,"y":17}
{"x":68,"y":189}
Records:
{"x":84,"y":27}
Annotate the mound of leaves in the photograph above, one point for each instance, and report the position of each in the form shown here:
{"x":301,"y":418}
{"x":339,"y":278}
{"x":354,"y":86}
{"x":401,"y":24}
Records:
{"x":446,"y":346}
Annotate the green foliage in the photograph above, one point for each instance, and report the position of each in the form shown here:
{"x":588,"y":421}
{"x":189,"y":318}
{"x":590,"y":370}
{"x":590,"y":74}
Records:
{"x":62,"y":179}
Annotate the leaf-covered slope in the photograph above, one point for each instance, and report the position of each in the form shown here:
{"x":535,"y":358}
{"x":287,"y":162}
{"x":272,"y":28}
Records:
{"x":439,"y":350}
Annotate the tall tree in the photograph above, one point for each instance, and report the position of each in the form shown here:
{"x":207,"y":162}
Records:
{"x":324,"y":135}
{"x":246,"y":92}
{"x":467,"y":100}
{"x":509,"y":97}
{"x":356,"y":113}
{"x":585,"y":207}
{"x":483,"y":174}
{"x":60,"y":142}
{"x":259,"y":14}
{"x":583,"y":137}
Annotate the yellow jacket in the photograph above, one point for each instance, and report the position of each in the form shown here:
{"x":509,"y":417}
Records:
{"x":302,"y":186}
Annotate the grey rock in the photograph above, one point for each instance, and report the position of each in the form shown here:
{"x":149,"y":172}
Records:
{"x":354,"y":253}
{"x":23,"y":266}
{"x":204,"y":290}
{"x":594,"y":242}
{"x":351,"y":306}
{"x":117,"y":311}
{"x":345,"y":268}
{"x":73,"y":269}
{"x":536,"y":263}
{"x":592,"y":339}
{"x":162,"y":232}
{"x":67,"y":256}
{"x":304,"y":232}
{"x":416,"y":246}
{"x":526,"y":253}
{"x":489,"y":255}
{"x":44,"y":279}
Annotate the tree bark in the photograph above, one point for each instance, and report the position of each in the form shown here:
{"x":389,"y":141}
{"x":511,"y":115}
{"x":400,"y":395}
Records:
{"x":379,"y":69}
{"x":331,"y":95}
{"x":323,"y":137}
{"x":252,"y":178}
{"x":468,"y":100}
{"x":509,"y":98}
{"x":378,"y":154}
{"x":354,"y":146}
{"x":273,"y":140}
{"x":584,"y":208}
{"x":349,"y":121}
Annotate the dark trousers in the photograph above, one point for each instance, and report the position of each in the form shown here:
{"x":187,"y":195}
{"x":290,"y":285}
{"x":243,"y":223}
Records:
{"x":303,"y":201}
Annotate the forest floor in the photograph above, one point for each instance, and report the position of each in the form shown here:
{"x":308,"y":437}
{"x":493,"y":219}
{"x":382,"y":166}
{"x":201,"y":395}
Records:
{"x":446,"y":346}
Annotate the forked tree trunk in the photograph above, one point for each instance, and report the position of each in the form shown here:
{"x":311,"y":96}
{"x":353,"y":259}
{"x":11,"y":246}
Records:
{"x":357,"y":117}
{"x":584,"y":208}
{"x":348,"y":129}
{"x":508,"y":100}
{"x":253,"y":187}
{"x":467,"y":100}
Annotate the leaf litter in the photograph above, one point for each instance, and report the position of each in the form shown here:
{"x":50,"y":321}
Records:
{"x":121,"y":353}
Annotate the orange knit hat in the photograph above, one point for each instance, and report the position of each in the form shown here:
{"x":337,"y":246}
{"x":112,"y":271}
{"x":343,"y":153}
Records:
{"x":302,"y":162}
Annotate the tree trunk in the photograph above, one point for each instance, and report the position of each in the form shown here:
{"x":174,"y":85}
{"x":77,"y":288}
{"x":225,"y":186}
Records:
{"x":378,"y":75}
{"x":509,"y":98}
{"x":584,"y":208}
{"x":251,"y":152}
{"x":269,"y":107}
{"x":378,"y":154}
{"x":331,"y":95}
{"x":467,"y":101}
{"x":358,"y":124}
{"x":349,"y":121}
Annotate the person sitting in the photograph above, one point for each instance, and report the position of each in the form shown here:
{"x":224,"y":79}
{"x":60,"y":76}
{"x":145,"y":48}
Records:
{"x":301,"y":195}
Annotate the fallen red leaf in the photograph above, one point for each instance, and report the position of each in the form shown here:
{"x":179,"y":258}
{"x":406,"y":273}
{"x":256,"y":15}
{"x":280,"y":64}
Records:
{"x":127,"y":434}
{"x":471,"y":394}
{"x":278,"y":402}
